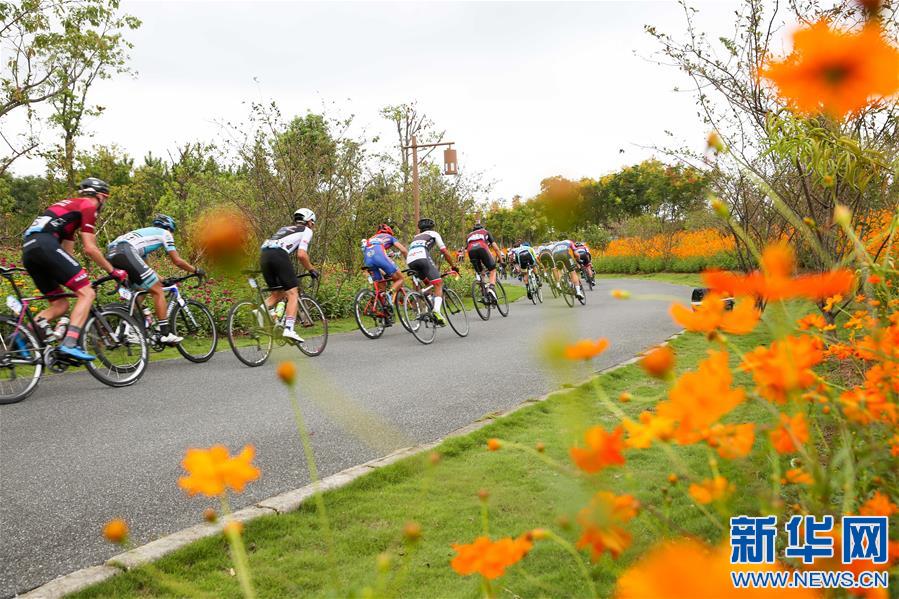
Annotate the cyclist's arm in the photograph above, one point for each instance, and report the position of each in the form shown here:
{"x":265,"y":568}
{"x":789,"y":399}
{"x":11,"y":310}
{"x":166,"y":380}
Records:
{"x":496,"y":250}
{"x":180,"y":262}
{"x":303,"y":257}
{"x":449,"y":258}
{"x":92,"y":251}
{"x":69,"y":246}
{"x":401,"y":248}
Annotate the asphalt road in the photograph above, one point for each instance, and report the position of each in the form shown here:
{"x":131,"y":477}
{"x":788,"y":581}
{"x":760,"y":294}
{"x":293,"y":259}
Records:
{"x":77,"y":453}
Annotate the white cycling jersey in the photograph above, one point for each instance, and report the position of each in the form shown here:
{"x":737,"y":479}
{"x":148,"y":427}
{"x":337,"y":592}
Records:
{"x":290,"y":239}
{"x":421,"y":245}
{"x":147,"y":240}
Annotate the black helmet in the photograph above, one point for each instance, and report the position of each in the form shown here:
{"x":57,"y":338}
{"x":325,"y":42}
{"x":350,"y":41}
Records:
{"x":425,"y":224}
{"x":477,"y":226}
{"x":164,"y":221}
{"x":93,"y":186}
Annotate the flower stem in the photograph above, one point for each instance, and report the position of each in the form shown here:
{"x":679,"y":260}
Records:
{"x":238,"y":554}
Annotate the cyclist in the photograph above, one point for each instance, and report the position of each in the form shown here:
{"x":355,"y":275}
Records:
{"x":129,"y":251}
{"x":278,"y":271}
{"x":582,"y":253}
{"x":478,"y":246}
{"x":563,"y":254}
{"x":374,"y":251}
{"x":47,"y":254}
{"x":525,"y":259}
{"x":419,"y":260}
{"x":545,"y":257}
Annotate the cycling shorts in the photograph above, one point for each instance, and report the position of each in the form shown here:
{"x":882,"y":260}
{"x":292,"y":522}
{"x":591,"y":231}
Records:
{"x":584,"y":258}
{"x":563,"y":258}
{"x":525,"y":260}
{"x":426,"y":270}
{"x":376,"y":261}
{"x":124,"y":256}
{"x":481,"y":259}
{"x":51,"y":266}
{"x":277,"y":269}
{"x":546,"y":259}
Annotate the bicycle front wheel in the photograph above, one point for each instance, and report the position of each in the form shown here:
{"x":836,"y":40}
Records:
{"x":454,"y":311}
{"x":249,"y":333}
{"x":195,"y":322}
{"x":114,"y":337}
{"x":568,"y":294}
{"x":313,"y":327}
{"x":418,"y":315}
{"x":20,"y":361}
{"x":366,"y":311}
{"x":502,"y":301}
{"x":478,"y":298}
{"x":398,"y":307}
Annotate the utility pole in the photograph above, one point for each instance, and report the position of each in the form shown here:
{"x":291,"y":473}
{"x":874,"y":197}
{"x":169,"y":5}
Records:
{"x":450,"y":167}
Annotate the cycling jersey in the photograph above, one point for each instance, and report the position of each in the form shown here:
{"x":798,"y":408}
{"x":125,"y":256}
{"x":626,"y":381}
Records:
{"x":147,"y":240}
{"x":126,"y":257}
{"x":421,"y":246}
{"x":65,"y":217}
{"x":563,"y":251}
{"x":290,"y":239}
{"x":583,"y":254}
{"x":522,"y":250}
{"x":479,"y":238}
{"x":374,"y":251}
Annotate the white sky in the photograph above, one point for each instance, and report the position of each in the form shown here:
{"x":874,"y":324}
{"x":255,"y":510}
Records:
{"x":526,"y":90}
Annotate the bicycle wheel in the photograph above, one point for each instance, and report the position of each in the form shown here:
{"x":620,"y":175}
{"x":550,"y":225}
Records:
{"x":196,"y":324}
{"x":454,"y":311}
{"x":313,"y":327}
{"x":583,"y":297}
{"x":502,"y":300}
{"x":365,"y":310}
{"x":538,"y":287}
{"x":532,"y":289}
{"x":249,"y":333}
{"x":21,"y":364}
{"x":398,"y":307}
{"x":568,"y":293}
{"x":478,"y":298}
{"x":122,"y":355}
{"x":418,"y":315}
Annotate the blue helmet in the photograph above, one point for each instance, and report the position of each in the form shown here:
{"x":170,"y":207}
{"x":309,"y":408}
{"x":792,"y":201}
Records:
{"x":165,"y":222}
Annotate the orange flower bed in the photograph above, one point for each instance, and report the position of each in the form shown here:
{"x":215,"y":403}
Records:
{"x":683,"y":244}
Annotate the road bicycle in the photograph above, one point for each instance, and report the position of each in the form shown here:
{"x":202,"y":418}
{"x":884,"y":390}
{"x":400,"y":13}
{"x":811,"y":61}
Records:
{"x":109,"y":333}
{"x":535,"y":285}
{"x":569,"y":291}
{"x":188,"y":318}
{"x":418,"y":307}
{"x":484,"y":301}
{"x":373,"y":307}
{"x":254,"y":329}
{"x":586,"y":277}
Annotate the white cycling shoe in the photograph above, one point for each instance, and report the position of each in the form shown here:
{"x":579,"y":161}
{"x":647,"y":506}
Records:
{"x":291,"y":334}
{"x":171,"y":339}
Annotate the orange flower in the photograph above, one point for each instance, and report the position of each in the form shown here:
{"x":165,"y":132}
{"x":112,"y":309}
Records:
{"x":640,"y":435}
{"x":116,"y":531}
{"x":793,"y":430}
{"x":211,"y":471}
{"x":658,"y":361}
{"x":812,"y":321}
{"x":699,"y":399}
{"x":774,"y":282}
{"x":784,"y":367}
{"x":489,"y":558}
{"x":875,"y":279}
{"x":878,"y":505}
{"x":601,"y":522}
{"x":620,"y":294}
{"x":711,"y":489}
{"x":829,"y":303}
{"x":586,"y":349}
{"x":731,"y":441}
{"x":222,"y":236}
{"x":834,"y":71}
{"x":625,"y":397}
{"x":688,"y":569}
{"x":287,"y":372}
{"x":711,"y":315}
{"x":494,"y":444}
{"x":233,"y":528}
{"x":798,"y":476}
{"x":714,"y":142}
{"x":603,"y":449}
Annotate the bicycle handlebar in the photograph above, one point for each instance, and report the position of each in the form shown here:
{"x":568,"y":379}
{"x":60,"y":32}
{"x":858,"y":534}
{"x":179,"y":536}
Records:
{"x":175,"y":280}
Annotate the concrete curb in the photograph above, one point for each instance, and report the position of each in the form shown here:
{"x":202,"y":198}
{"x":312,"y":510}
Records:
{"x":279,"y":504}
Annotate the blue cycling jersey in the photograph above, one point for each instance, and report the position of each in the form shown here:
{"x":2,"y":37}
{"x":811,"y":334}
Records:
{"x":147,"y":240}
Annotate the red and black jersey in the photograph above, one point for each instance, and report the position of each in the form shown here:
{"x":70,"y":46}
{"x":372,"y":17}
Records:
{"x":480,"y":238}
{"x":65,"y":217}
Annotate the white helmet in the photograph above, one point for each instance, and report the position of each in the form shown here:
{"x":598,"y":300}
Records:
{"x":304,"y":215}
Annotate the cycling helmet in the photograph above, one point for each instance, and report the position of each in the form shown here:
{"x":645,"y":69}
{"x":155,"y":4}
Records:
{"x":303,"y":216}
{"x":163,"y":221}
{"x":425,"y":224}
{"x":477,"y":226}
{"x":385,"y":228}
{"x":92,"y":186}
{"x":579,"y":244}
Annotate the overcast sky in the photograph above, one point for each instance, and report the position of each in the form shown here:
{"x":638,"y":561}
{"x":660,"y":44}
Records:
{"x":526,"y":90}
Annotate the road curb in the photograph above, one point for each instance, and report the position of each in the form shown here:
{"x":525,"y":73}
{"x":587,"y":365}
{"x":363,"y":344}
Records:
{"x":279,"y":504}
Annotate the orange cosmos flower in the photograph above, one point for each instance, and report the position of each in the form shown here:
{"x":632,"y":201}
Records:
{"x":489,"y":558}
{"x":586,"y":349}
{"x":699,"y":399}
{"x":658,"y":361}
{"x":878,"y":505}
{"x":792,"y":430}
{"x":211,"y":471}
{"x":836,"y":72}
{"x":688,"y":569}
{"x":798,"y":476}
{"x":601,"y":522}
{"x":222,"y":236}
{"x":287,"y":372}
{"x":620,"y":294}
{"x":812,"y":321}
{"x":603,"y":449}
{"x":712,"y":489}
{"x":640,"y":435}
{"x":116,"y":531}
{"x":829,"y":303}
{"x":712,"y":315}
{"x":731,"y":441}
{"x":784,"y":367}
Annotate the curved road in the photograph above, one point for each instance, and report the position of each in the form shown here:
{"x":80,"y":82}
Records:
{"x":77,"y":453}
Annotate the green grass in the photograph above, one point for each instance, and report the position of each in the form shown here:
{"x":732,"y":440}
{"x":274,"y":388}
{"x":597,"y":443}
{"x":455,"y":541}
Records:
{"x":288,"y":554}
{"x":680,"y":278}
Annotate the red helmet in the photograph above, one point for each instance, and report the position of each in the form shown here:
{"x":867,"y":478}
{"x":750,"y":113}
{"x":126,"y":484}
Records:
{"x":384,"y":228}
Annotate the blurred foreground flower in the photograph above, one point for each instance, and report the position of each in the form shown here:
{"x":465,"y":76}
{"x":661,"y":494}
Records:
{"x":601,"y":522}
{"x":287,"y":372}
{"x":658,"y":361}
{"x":712,"y":315}
{"x":834,"y":71}
{"x":713,"y":489}
{"x":222,"y":236}
{"x":603,"y":449}
{"x":586,"y":349}
{"x":211,"y":471}
{"x":489,"y":558}
{"x":116,"y":531}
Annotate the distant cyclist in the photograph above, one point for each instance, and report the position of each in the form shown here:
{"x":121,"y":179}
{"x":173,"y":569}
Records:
{"x":129,"y":251}
{"x":419,"y":260}
{"x":563,"y":255}
{"x":479,"y":245}
{"x":48,"y":256}
{"x":545,"y":256}
{"x":525,"y":259}
{"x":374,"y":252}
{"x":278,"y":271}
{"x":582,"y":253}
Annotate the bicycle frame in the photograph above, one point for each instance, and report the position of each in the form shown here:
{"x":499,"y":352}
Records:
{"x":251,"y":279}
